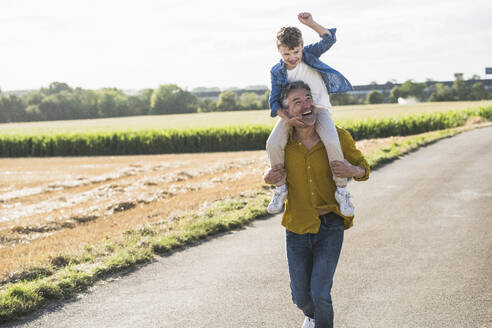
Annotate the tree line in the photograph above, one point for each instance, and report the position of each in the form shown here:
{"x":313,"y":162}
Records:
{"x":460,"y":90}
{"x":59,"y":101}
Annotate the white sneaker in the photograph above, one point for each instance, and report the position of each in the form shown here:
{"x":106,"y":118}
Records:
{"x":278,"y":200}
{"x":308,"y":323}
{"x":343,"y":198}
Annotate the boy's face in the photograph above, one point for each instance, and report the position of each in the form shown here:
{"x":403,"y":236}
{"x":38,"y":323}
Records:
{"x":291,"y":57}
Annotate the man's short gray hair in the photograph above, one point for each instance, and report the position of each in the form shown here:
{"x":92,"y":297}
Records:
{"x":284,"y":94}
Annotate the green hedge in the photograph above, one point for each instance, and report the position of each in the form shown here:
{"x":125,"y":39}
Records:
{"x":212,"y":139}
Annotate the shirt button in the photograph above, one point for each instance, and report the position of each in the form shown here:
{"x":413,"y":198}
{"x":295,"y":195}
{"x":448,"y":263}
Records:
{"x":309,"y":166}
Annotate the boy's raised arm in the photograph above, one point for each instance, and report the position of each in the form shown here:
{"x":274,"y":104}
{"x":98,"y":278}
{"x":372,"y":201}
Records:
{"x":307,"y":19}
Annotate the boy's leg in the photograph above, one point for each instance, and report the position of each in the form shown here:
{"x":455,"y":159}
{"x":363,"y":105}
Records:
{"x":328,"y":133}
{"x":329,"y":136}
{"x":326,"y":251}
{"x":275,"y":145}
{"x":300,"y":262}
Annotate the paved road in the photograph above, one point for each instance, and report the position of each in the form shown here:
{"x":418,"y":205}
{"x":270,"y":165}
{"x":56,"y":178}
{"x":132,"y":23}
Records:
{"x":419,"y":255}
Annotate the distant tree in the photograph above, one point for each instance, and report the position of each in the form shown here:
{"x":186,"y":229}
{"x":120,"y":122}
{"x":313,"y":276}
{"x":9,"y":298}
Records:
{"x":341,"y":99}
{"x":34,"y":114}
{"x":407,"y":89}
{"x":442,"y":93}
{"x":375,"y":97}
{"x":170,"y":99}
{"x":478,"y":92}
{"x":112,"y":102}
{"x":57,"y":106}
{"x":86,"y":103}
{"x":475,"y":77}
{"x":145,"y":97}
{"x":249,"y":100}
{"x":228,"y":100}
{"x":207,"y":105}
{"x":264,"y":100}
{"x":12,"y":109}
{"x":56,"y":87}
{"x":33,"y":97}
{"x":459,"y":87}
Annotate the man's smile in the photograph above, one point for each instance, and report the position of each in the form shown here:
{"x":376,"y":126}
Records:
{"x":307,"y":113}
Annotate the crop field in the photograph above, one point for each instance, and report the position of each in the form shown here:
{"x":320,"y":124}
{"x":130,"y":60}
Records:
{"x":222,"y":119}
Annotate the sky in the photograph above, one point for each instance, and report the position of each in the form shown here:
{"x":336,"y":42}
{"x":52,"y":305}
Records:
{"x":142,"y":44}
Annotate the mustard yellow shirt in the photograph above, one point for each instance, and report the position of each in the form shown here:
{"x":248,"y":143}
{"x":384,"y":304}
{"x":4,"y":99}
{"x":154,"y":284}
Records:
{"x":311,"y":184}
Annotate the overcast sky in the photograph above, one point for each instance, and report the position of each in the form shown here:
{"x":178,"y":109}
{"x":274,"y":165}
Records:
{"x":145,"y":43}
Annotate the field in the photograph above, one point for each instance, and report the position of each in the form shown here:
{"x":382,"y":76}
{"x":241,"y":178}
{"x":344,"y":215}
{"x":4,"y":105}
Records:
{"x":239,"y":118}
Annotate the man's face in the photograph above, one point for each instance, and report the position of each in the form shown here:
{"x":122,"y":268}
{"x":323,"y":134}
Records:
{"x":301,"y":105}
{"x":291,"y":57}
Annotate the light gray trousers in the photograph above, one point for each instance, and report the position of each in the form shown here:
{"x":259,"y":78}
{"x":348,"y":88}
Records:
{"x":325,"y":127}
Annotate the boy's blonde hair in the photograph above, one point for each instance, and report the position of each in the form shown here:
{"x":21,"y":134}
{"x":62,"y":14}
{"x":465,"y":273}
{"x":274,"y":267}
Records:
{"x":289,"y":36}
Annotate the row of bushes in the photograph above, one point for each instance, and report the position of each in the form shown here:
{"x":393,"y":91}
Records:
{"x":212,"y":139}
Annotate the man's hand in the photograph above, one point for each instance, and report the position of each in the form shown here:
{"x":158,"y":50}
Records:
{"x":305,"y":18}
{"x":291,"y":121}
{"x":343,"y":169}
{"x":274,"y":174}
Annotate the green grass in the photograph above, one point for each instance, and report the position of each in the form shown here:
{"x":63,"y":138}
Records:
{"x":67,"y":275}
{"x":223,"y":119}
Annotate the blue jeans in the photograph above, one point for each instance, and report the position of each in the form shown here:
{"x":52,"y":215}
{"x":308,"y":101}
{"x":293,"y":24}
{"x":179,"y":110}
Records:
{"x":312,"y":260}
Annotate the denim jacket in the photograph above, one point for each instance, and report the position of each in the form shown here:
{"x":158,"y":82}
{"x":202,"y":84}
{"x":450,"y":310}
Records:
{"x":334,"y":80}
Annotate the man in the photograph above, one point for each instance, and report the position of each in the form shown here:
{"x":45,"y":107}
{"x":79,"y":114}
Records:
{"x":312,"y":218}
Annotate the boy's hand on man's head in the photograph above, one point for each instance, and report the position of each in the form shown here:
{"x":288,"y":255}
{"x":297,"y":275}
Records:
{"x":305,"y":18}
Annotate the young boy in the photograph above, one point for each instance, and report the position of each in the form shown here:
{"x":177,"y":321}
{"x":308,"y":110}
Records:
{"x":302,"y":63}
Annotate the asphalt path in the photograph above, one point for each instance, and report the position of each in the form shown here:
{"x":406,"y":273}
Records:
{"x":419,"y":255}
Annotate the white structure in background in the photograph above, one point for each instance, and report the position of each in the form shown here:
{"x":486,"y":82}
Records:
{"x":407,"y":101}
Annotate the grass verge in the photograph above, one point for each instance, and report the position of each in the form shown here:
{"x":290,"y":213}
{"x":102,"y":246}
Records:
{"x":68,"y":274}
